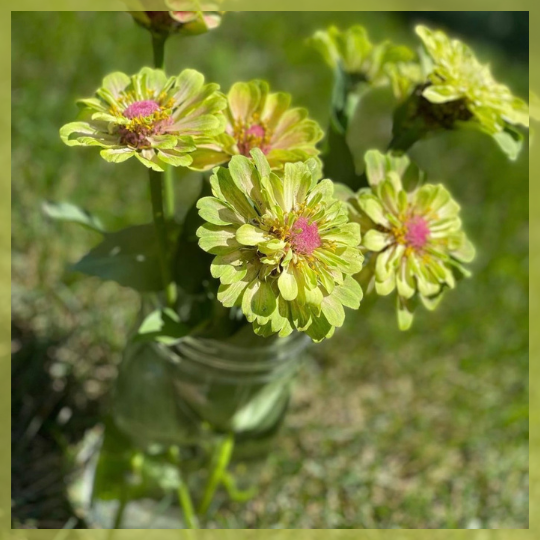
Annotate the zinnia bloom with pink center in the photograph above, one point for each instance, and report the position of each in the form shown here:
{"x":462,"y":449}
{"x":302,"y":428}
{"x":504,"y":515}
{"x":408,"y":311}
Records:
{"x":285,"y":250}
{"x":415,"y":239}
{"x":157,"y":119}
{"x":259,"y":119}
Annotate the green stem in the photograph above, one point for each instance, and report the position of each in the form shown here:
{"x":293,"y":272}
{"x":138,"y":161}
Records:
{"x":156,"y":195}
{"x":405,"y":140}
{"x":158,"y":47}
{"x":184,"y":498}
{"x":237,"y":495}
{"x":220,"y":462}
{"x":168,"y":192}
{"x":124,"y":497}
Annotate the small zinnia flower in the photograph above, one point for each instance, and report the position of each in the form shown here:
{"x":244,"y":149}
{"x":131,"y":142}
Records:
{"x":467,"y":91}
{"x":259,"y":119}
{"x":352,"y":51}
{"x":415,"y":239}
{"x":285,"y":250}
{"x":157,"y":119}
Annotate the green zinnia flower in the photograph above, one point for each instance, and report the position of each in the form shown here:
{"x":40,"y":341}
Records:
{"x":415,"y":238}
{"x":259,"y":119}
{"x":352,"y":51}
{"x":458,"y":80}
{"x":157,"y":119}
{"x":285,"y":250}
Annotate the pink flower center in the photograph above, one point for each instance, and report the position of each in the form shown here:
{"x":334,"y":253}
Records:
{"x":305,"y":237}
{"x":417,"y":232}
{"x":256,"y":131}
{"x":141,"y":109}
{"x":255,"y":136}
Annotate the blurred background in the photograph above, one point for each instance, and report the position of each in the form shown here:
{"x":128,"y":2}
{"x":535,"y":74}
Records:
{"x":425,"y":429}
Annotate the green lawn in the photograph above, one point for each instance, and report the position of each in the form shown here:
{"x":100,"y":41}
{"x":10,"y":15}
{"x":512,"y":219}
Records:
{"x":425,"y":429}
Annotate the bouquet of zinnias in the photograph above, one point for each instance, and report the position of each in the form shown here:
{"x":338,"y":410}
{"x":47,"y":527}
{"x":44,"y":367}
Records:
{"x":283,"y":237}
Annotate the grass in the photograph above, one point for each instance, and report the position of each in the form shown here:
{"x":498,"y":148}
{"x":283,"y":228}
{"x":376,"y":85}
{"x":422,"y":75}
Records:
{"x":425,"y":429}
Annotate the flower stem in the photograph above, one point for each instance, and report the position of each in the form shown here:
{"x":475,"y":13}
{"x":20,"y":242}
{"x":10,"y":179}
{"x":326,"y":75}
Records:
{"x":168,"y":192}
{"x":122,"y":504}
{"x":184,"y":498}
{"x":403,"y":141}
{"x":158,"y":46}
{"x":220,"y":461}
{"x":156,"y":195}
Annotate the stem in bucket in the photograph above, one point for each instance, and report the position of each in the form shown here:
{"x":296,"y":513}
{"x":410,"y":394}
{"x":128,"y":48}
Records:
{"x":237,"y":495}
{"x":184,"y":498}
{"x":118,"y":518}
{"x":220,"y":462}
{"x":156,"y":195}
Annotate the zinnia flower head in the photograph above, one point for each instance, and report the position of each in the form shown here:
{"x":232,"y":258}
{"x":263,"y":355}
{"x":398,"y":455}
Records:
{"x":257,"y":118}
{"x":467,"y":89}
{"x":354,"y":53}
{"x":166,"y":19}
{"x":415,"y":238}
{"x":157,"y":119}
{"x":285,"y":250}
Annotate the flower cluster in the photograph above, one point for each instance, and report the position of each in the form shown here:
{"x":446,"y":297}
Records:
{"x":157,"y":119}
{"x":458,"y":80}
{"x":167,"y":19}
{"x":285,"y":249}
{"x":415,"y":239}
{"x":257,"y":118}
{"x":352,"y":51}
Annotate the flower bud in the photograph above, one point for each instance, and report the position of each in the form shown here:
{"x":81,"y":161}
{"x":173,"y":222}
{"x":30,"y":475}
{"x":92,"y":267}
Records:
{"x":166,"y":21}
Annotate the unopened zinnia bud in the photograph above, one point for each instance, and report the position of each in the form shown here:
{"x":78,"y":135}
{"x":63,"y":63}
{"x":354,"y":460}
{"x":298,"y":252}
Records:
{"x":169,"y":16}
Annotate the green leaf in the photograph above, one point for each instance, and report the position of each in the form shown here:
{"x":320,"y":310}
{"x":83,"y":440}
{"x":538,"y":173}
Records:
{"x":162,"y":326}
{"x":262,"y":410}
{"x":339,"y":164}
{"x":70,"y":212}
{"x":128,"y":256}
